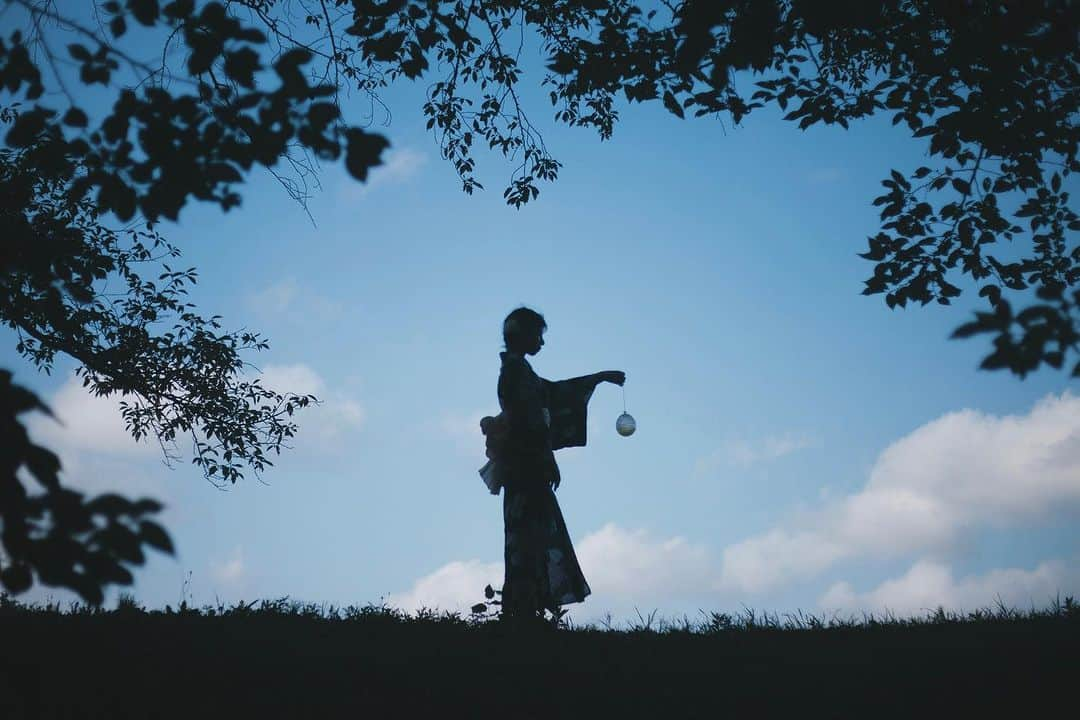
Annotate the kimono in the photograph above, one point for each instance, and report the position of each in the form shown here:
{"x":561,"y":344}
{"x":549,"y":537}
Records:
{"x":538,"y":417}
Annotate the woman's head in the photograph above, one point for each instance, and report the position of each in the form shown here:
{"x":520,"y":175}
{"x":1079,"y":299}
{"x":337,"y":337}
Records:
{"x":523,"y":331}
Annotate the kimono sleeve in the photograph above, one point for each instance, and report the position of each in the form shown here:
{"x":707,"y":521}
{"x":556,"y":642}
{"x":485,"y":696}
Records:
{"x":568,"y":402}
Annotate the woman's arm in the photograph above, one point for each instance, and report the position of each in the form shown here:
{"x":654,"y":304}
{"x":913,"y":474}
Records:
{"x":617,"y":377}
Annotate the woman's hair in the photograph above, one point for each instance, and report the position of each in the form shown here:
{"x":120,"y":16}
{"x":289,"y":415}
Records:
{"x":521,"y":325}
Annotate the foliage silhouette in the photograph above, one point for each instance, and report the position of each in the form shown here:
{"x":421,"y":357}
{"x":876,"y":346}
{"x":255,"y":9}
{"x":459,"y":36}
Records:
{"x":177,"y":373}
{"x":63,"y":181}
{"x":66,"y":540}
{"x":991,"y":85}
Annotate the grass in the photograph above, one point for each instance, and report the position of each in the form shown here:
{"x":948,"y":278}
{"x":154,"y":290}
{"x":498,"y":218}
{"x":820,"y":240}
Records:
{"x":282,"y":658}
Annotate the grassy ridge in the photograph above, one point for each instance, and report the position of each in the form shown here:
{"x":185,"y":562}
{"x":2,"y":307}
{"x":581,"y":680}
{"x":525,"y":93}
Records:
{"x":295,"y":660}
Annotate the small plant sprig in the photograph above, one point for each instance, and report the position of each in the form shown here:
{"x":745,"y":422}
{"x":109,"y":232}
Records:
{"x":490,"y":609}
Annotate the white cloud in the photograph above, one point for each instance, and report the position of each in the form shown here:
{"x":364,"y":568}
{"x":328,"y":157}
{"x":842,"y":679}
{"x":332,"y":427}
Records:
{"x":276,"y":298}
{"x":464,"y":430}
{"x":297,"y":378}
{"x":775,"y":447}
{"x":87,"y":423}
{"x":98,"y":454}
{"x":928,"y":585}
{"x":295,"y":303}
{"x":766,"y":561}
{"x":230,"y":574}
{"x":633,"y":566}
{"x":400,"y":166}
{"x":327,"y":424}
{"x":624,"y":568}
{"x":964,"y":471}
{"x":826,"y":175}
{"x":96,"y":451}
{"x":742,"y":453}
{"x":351,"y":412}
{"x":455,"y":587}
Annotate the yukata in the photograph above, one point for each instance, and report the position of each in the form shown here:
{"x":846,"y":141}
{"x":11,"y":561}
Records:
{"x":539,"y":417}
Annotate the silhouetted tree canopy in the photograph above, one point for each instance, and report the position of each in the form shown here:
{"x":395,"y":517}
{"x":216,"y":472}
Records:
{"x":990,"y":85}
{"x":177,"y":373}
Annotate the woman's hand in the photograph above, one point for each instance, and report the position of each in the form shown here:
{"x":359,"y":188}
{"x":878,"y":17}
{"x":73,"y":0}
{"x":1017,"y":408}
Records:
{"x":618,"y":377}
{"x":551,"y":471}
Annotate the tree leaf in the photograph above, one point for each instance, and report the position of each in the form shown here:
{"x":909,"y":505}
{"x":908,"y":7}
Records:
{"x":145,"y":11}
{"x":76,"y":118}
{"x":79,"y":52}
{"x":118,"y":26}
{"x":672,"y":104}
{"x":364,"y":152}
{"x":155,"y":536}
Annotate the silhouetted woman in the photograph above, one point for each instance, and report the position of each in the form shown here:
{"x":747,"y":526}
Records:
{"x":538,"y":417}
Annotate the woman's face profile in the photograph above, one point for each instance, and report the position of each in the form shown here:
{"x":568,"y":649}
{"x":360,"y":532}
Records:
{"x":534,"y":343}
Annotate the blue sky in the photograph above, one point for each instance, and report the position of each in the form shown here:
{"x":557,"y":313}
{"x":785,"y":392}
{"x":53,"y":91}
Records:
{"x":798,"y":445}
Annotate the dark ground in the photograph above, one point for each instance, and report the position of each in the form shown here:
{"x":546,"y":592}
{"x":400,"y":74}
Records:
{"x":291,"y":660}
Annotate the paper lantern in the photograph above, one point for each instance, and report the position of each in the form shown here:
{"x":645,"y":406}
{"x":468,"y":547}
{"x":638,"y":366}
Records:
{"x":625,"y":425}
